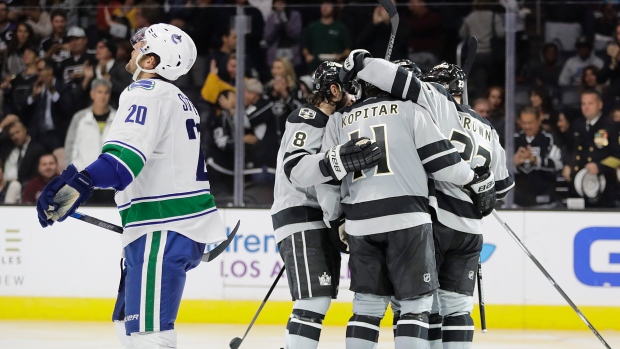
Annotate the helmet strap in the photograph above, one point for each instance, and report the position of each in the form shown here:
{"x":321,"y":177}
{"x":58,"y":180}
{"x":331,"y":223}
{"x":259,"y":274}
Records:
{"x":139,"y":69}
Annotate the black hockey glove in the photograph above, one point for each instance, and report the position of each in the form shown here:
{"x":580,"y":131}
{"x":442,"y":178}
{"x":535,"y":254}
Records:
{"x":337,"y":235}
{"x":352,"y":65}
{"x":482,"y":190}
{"x":355,"y":155}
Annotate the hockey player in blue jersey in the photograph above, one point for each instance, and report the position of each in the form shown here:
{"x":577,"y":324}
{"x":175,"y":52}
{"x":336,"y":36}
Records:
{"x":152,"y":157}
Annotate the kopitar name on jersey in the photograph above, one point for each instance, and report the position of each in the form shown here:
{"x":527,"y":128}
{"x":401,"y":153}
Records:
{"x":372,"y":112}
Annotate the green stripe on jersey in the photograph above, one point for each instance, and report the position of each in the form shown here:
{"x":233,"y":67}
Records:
{"x":155,"y":210}
{"x":129,"y":157}
{"x":151,"y":277}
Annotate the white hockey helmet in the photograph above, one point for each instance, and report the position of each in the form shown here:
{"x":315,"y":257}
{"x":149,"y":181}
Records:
{"x":176,"y":50}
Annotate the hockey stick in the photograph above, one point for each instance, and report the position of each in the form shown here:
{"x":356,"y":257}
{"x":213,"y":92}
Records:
{"x":389,"y":6}
{"x":472,"y":49}
{"x":483,"y":318}
{"x":557,"y":287}
{"x":207,"y":257}
{"x":236,"y":342}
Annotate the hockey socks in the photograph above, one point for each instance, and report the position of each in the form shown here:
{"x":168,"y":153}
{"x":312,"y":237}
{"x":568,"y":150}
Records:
{"x":412,"y":331}
{"x":363,"y":332}
{"x":457,"y":332}
{"x":434,"y":330}
{"x":304,"y":329}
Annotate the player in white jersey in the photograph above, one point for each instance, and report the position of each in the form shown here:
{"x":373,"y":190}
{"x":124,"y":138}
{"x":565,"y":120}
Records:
{"x":152,"y":157}
{"x":312,"y":262}
{"x":457,"y":221}
{"x":387,"y":212}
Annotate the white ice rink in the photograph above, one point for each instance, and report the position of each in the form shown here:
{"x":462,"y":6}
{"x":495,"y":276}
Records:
{"x":99,"y":335}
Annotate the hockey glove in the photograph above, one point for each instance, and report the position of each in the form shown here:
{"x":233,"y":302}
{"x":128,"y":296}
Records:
{"x":355,"y":155}
{"x":63,"y":195}
{"x":337,"y":235}
{"x":482,"y":190}
{"x":352,"y":65}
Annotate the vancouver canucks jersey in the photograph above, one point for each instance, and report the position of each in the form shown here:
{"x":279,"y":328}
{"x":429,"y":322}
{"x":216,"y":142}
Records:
{"x":394,"y":194}
{"x":155,"y":137}
{"x":295,"y":207}
{"x":475,"y":139}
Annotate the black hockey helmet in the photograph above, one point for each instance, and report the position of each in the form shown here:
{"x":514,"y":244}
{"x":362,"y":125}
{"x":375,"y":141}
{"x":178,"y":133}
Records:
{"x":409,"y":65}
{"x":451,"y":76}
{"x":326,"y":75}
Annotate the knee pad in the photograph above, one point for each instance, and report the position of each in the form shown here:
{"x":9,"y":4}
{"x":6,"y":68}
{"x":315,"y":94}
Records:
{"x":418,"y":305}
{"x":154,"y":340}
{"x":370,"y":305}
{"x":311,"y":309}
{"x":452,"y":303}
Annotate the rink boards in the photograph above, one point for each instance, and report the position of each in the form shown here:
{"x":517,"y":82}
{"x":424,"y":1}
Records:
{"x":70,"y":271}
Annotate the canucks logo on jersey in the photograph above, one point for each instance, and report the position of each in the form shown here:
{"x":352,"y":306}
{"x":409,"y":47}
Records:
{"x":145,"y":84}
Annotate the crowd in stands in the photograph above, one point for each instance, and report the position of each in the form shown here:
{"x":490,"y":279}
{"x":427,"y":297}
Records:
{"x":62,"y":69}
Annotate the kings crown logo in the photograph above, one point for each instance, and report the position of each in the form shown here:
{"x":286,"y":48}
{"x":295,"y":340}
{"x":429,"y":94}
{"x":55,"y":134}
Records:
{"x":325,"y":280}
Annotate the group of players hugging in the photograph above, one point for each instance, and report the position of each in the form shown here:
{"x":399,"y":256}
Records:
{"x":400,"y":180}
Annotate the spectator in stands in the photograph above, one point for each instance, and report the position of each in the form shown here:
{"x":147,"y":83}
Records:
{"x":7,"y":28}
{"x":73,"y":9}
{"x":54,"y":47}
{"x":537,"y":160}
{"x":548,"y":72}
{"x":611,"y":70}
{"x":127,"y":10}
{"x":13,"y":64}
{"x":424,"y":32}
{"x":72,"y":69}
{"x":110,"y":69}
{"x":484,"y":24}
{"x":596,"y":143}
{"x":483,"y":108}
{"x":571,"y":71}
{"x":326,"y":39}
{"x":564,"y":134}
{"x":10,"y":191}
{"x":228,"y":44}
{"x":37,"y":18}
{"x":20,"y":158}
{"x":47,"y":169}
{"x":497,"y":112}
{"x":17,"y":89}
{"x":89,"y":126}
{"x":148,"y":13}
{"x":283,"y":92}
{"x":283,"y":34}
{"x":540,"y":100}
{"x":589,"y":80}
{"x":375,"y":36}
{"x":105,"y":5}
{"x":615,"y":115}
{"x":120,"y":29}
{"x":49,"y":108}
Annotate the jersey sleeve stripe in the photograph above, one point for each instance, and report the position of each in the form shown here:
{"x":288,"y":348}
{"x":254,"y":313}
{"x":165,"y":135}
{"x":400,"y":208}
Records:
{"x":125,"y":155}
{"x":296,"y":214}
{"x":442,"y":162}
{"x":128,"y":146}
{"x":503,"y":186}
{"x":385,"y":207}
{"x":291,"y":163}
{"x":457,"y":206}
{"x":431,"y":149}
{"x":123,"y":171}
{"x":168,"y":208}
{"x":298,"y":151}
{"x":400,"y":82}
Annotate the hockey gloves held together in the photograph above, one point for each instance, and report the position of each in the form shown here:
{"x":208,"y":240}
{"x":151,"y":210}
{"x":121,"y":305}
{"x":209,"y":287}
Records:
{"x":63,"y":195}
{"x":355,"y":155}
{"x":352,"y":65}
{"x":482,"y":190}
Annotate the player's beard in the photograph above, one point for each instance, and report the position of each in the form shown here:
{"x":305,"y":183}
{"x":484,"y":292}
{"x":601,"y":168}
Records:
{"x":342,"y":102}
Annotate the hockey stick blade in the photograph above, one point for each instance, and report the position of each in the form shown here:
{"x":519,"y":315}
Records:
{"x":209,"y":256}
{"x":236,"y":342}
{"x":98,"y":222}
{"x":472,"y":49}
{"x":549,"y":278}
{"x":389,"y":6}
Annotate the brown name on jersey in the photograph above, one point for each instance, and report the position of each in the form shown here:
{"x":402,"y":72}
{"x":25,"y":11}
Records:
{"x":476,"y":126}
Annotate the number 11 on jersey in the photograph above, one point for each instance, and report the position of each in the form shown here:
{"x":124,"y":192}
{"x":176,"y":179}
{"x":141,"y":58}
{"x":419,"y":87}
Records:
{"x":380,"y":137}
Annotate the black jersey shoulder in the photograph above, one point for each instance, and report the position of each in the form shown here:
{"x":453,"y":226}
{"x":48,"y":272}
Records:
{"x":308,"y":114}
